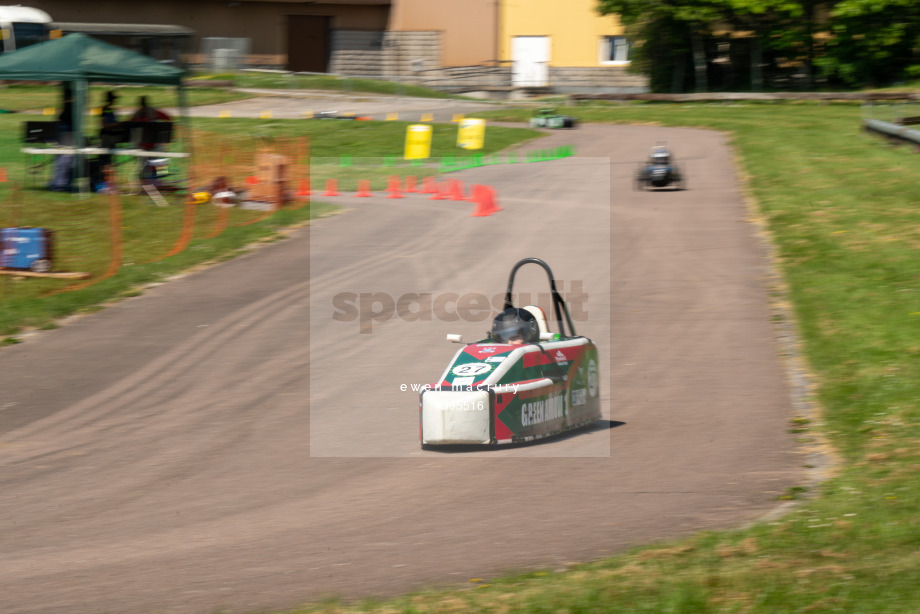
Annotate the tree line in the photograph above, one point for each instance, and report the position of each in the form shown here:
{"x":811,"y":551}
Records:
{"x":753,"y":45}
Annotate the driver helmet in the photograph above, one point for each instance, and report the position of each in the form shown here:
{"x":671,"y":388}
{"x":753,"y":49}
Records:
{"x":513,"y":324}
{"x":660,"y":156}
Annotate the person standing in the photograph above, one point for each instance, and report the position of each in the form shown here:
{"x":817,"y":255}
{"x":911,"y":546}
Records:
{"x":62,"y":179}
{"x":147,"y":113}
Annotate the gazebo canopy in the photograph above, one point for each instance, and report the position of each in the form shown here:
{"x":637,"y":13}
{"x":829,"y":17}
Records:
{"x":78,"y":60}
{"x":78,"y":57}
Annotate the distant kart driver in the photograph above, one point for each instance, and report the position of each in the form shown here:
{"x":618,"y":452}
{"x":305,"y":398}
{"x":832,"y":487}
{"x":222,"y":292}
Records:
{"x":515,"y":327}
{"x":660,"y":156}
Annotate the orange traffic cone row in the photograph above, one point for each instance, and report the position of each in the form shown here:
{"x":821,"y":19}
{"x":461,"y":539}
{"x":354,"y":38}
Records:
{"x":364,"y":188}
{"x":393,"y":188}
{"x":410,"y":184}
{"x":332,"y":188}
{"x":429,"y":186}
{"x":485,"y":201}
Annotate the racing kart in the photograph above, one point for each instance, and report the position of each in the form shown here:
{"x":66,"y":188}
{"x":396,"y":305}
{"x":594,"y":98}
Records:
{"x":661,"y":171}
{"x":547,"y":117}
{"x":495,"y":392}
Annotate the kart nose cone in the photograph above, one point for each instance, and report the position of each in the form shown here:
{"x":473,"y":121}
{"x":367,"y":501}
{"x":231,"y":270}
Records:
{"x":455,"y":417}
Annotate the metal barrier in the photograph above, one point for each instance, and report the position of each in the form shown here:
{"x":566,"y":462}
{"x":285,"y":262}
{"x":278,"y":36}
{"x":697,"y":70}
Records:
{"x":897,"y":123}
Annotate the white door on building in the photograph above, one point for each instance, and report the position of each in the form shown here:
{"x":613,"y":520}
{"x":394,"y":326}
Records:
{"x":529,"y":60}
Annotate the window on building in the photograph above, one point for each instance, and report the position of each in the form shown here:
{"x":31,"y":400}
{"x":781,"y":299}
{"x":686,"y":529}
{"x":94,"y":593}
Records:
{"x":614,"y":50}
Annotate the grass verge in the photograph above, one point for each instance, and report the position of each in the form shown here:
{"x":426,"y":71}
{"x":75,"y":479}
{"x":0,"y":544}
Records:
{"x":364,"y":139}
{"x":29,"y":97}
{"x":841,"y":207}
{"x":21,"y":97}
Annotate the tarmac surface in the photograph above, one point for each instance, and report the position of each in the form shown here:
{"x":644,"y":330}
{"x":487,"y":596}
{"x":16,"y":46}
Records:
{"x":226,"y":441}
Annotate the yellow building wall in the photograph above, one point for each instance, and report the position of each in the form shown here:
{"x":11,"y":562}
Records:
{"x":574,"y":27}
{"x":469,"y":32}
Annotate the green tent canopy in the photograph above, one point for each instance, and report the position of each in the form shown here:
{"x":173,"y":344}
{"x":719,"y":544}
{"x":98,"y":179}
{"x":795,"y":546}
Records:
{"x":78,"y":57}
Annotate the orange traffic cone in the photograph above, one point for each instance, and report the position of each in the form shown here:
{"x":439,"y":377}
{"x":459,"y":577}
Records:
{"x":492,"y":196}
{"x":393,"y":188}
{"x":436,"y":193}
{"x":485,"y":201}
{"x":3,"y":177}
{"x":252,"y":180}
{"x":364,"y":188}
{"x":456,"y":190}
{"x":410,"y":184}
{"x":429,"y":186}
{"x":304,"y":189}
{"x":332,"y":188}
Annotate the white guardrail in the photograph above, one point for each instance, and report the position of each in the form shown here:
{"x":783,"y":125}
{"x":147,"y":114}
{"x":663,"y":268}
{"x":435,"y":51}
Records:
{"x":895,"y":130}
{"x":898,"y":125}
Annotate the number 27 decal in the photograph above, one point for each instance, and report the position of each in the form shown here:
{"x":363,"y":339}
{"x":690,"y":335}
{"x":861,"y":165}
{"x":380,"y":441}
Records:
{"x":473,"y":368}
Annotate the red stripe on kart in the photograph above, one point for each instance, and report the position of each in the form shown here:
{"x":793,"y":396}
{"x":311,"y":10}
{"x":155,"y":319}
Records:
{"x":481,"y":352}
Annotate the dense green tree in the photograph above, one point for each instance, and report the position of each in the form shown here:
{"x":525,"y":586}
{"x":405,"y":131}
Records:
{"x":872,"y":42}
{"x":852,"y":42}
{"x":669,"y":37}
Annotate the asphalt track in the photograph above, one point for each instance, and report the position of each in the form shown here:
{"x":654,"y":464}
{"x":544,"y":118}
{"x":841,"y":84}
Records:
{"x":224,"y":441}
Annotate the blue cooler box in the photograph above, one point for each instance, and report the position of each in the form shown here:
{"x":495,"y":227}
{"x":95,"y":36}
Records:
{"x":26,"y":248}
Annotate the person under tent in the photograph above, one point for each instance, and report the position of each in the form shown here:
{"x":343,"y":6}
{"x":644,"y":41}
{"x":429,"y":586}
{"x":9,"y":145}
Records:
{"x":62,"y":179}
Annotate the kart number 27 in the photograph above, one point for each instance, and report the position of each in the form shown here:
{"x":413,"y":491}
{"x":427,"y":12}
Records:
{"x":473,"y":368}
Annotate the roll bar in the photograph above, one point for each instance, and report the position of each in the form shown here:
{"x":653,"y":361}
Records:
{"x":558,"y":302}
